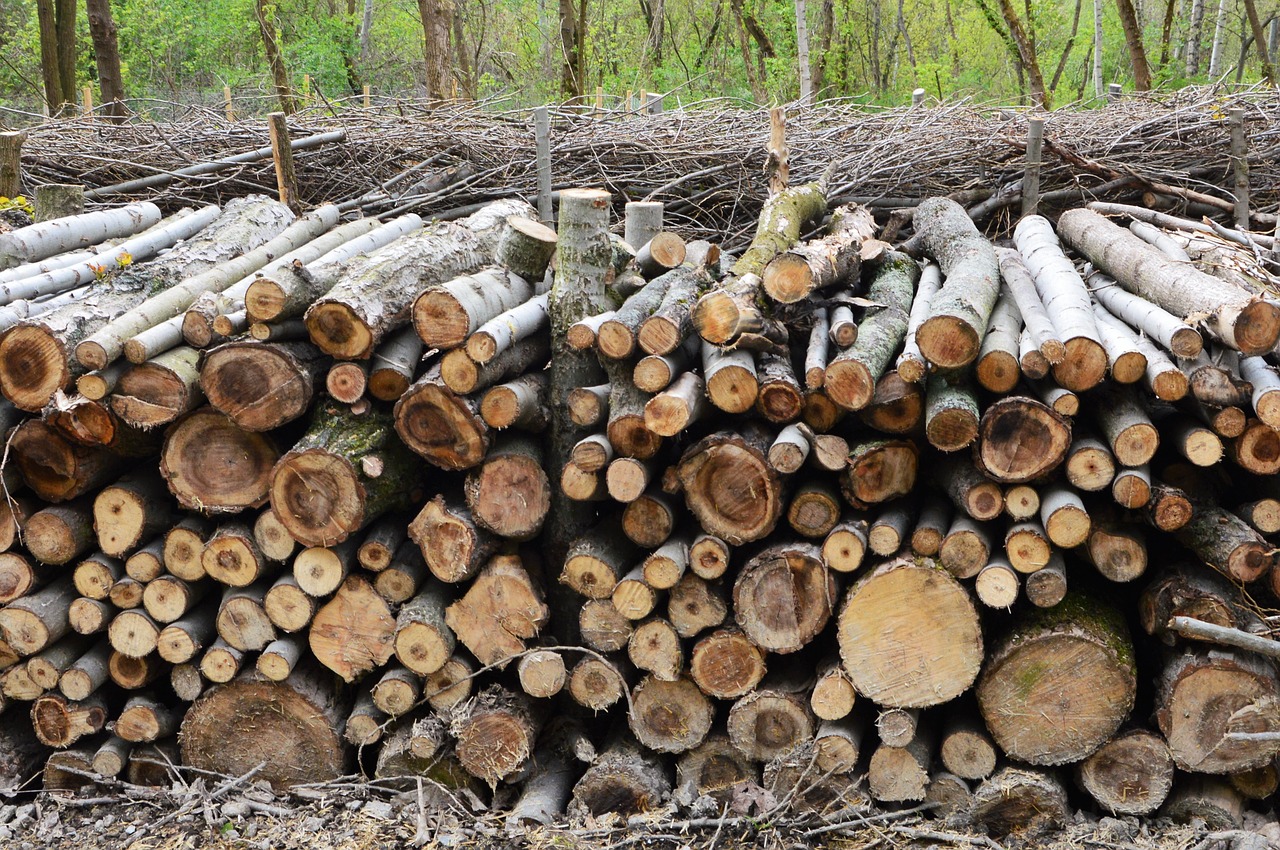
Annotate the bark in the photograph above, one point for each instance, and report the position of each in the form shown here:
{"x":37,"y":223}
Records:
{"x":1223,"y":541}
{"x":1133,"y":41}
{"x":911,"y":363}
{"x":820,"y":263}
{"x":38,"y":620}
{"x":851,"y":376}
{"x":929,"y":666}
{"x":265,"y":12}
{"x":951,"y":414}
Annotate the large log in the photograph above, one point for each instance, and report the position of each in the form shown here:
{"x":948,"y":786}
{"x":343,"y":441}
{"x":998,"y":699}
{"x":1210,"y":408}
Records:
{"x":346,"y":471}
{"x":214,"y":467}
{"x":890,"y":659}
{"x":293,"y":726}
{"x":783,"y":597}
{"x":1060,"y":683}
{"x":261,"y":386}
{"x":952,"y":335}
{"x":730,"y":486}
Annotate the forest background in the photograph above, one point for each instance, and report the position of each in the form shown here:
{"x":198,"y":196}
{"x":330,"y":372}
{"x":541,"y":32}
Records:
{"x":55,"y":54}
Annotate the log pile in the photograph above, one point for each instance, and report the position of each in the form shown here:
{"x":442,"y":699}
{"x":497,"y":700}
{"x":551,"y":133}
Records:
{"x":601,"y":523}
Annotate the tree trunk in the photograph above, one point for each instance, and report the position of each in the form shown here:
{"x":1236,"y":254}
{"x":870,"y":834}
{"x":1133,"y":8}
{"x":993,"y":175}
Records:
{"x":1259,"y":41}
{"x":1026,"y":45}
{"x":265,"y":12}
{"x":573,"y":43}
{"x":106,"y":54}
{"x":1133,"y":40}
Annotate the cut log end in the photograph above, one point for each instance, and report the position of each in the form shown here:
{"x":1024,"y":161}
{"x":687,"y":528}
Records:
{"x":338,"y":331}
{"x":949,"y":343}
{"x":33,"y":366}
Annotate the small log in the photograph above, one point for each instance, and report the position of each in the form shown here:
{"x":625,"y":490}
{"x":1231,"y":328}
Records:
{"x":1266,"y":388}
{"x":500,"y":611}
{"x":969,"y":490}
{"x":59,"y":722}
{"x":911,"y":365}
{"x":965,"y":748}
{"x":144,"y":720}
{"x":400,"y":581}
{"x":221,"y":662}
{"x":280,"y":657}
{"x":39,"y":620}
{"x":112,"y":757}
{"x":213,"y":466}
{"x":509,"y":494}
{"x":454,"y":546}
{"x":1131,"y":488}
{"x":669,"y":717}
{"x":1029,"y":802}
{"x":353,"y":633}
{"x":1077,"y":654}
{"x":650,"y":519}
{"x":364,"y":725}
{"x":842,"y":330}
{"x":397,"y":692}
{"x":709,"y":556}
{"x":770,"y":722}
{"x":126,"y":593}
{"x":87,"y":673}
{"x":943,"y":661}
{"x":726,"y":664}
{"x":1126,"y":358}
{"x":1223,"y":541}
{"x":1064,"y":517}
{"x":833,"y":696}
{"x":146,"y":564}
{"x":1090,"y":466}
{"x":997,"y":369}
{"x":90,"y":616}
{"x":1256,"y":450}
{"x":1035,"y":366}
{"x":714,"y":768}
{"x":1047,"y":586}
{"x":1169,"y":509}
{"x":288,"y":606}
{"x":166,"y":598}
{"x":60,"y":533}
{"x":1027,"y":546}
{"x":695,"y":605}
{"x":321,"y":570}
{"x":1129,"y":775}
{"x":896,"y":407}
{"x":793,"y":274}
{"x":519,"y":403}
{"x":184,"y":547}
{"x":242,"y":619}
{"x":951,"y":415}
{"x":997,"y":584}
{"x":56,"y":469}
{"x":602,"y":627}
{"x":182,"y":640}
{"x":129,"y":512}
{"x":232,"y":556}
{"x":668,"y":564}
{"x":1117,"y":550}
{"x":667,"y":328}
{"x":896,"y":727}
{"x":901,"y":774}
{"x":542,"y":674}
{"x":596,"y":684}
{"x":732,"y":383}
{"x":345,"y":472}
{"x":845,"y":546}
{"x":816,"y":354}
{"x":261,"y":386}
{"x":879,"y":471}
{"x":966,"y":549}
{"x":596,"y":561}
{"x":784,"y":597}
{"x":394,"y":365}
{"x":449,"y":686}
{"x":1163,"y":377}
{"x":729,"y":486}
{"x":891,"y":529}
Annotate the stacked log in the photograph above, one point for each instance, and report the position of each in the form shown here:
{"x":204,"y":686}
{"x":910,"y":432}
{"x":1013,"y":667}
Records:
{"x":944,"y":523}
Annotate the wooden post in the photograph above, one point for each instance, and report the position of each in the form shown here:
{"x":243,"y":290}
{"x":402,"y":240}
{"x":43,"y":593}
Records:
{"x":626,"y":102}
{"x":542,"y":130}
{"x":226,"y":96}
{"x":917,"y":97}
{"x":1031,"y":174}
{"x":11,"y":163}
{"x":57,"y":200}
{"x":282,"y":153}
{"x":599,"y":98}
{"x":1240,"y":167}
{"x":1114,"y":91}
{"x":776,"y":162}
{"x":644,"y":102}
{"x":87,"y":97}
{"x":367,"y":102}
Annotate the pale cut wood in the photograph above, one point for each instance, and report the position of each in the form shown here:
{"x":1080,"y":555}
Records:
{"x":901,"y":774}
{"x":602,"y":627}
{"x":1090,"y":466}
{"x":965,"y":748}
{"x":695,"y":605}
{"x":353,"y":633}
{"x":997,"y":584}
{"x":959,"y":314}
{"x":1063,"y":516}
{"x":770,"y":722}
{"x":997,"y":369}
{"x":500,"y":611}
{"x":596,"y":684}
{"x":184,"y":547}
{"x":884,"y":609}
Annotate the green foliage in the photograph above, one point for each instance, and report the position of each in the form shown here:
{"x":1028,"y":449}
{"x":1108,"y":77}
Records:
{"x":877,"y":51}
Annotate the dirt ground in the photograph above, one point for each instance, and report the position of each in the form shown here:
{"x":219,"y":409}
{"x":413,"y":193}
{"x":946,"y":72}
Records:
{"x":347,"y":820}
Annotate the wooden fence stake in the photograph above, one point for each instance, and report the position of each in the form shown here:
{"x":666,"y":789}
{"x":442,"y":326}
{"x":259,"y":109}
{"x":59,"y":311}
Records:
{"x":599,"y":98}
{"x":367,"y":101}
{"x":1031,"y":174}
{"x":226,"y":96}
{"x":1240,"y":167}
{"x":542,"y":133}
{"x":282,"y":153}
{"x":1114,"y":91}
{"x":87,"y":97}
{"x":11,"y":163}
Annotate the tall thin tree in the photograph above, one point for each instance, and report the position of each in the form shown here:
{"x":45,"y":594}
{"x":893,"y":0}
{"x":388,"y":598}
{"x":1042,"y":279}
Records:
{"x":1133,"y":40}
{"x":802,"y":49}
{"x":106,"y":54}
{"x":265,"y":12}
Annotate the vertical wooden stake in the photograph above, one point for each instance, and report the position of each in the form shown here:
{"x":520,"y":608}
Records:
{"x":282,"y":153}
{"x":776,"y":165}
{"x":87,"y":96}
{"x":1031,"y":173}
{"x":917,"y":97}
{"x":11,"y":163}
{"x":1240,"y":167}
{"x":367,"y":101}
{"x":644,"y":101}
{"x":226,"y":96}
{"x":626,"y":102}
{"x":542,"y":133}
{"x":599,"y":98}
{"x":1114,"y":91}
{"x":58,"y":200}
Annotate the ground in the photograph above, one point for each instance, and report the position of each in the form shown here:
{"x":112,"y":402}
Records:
{"x":351,"y":819}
